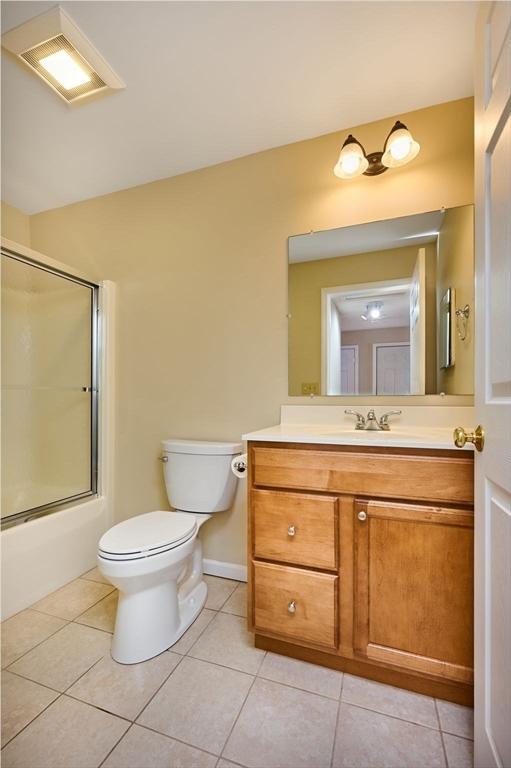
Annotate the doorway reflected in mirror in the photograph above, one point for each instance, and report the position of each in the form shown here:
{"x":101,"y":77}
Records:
{"x":365,"y":306}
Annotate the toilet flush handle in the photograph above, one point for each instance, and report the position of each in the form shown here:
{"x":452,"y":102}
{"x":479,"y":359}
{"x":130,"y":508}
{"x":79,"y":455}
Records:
{"x":163,"y":458}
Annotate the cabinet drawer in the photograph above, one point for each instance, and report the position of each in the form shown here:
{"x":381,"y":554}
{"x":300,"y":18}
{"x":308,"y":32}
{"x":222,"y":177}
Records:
{"x":401,"y":476}
{"x":295,"y":528}
{"x":314,"y":620}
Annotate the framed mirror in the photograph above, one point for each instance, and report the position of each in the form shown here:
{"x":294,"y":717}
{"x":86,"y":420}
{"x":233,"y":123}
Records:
{"x":372,"y":307}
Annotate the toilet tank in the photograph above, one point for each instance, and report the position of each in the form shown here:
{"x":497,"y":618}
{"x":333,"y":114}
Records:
{"x":198,"y":475}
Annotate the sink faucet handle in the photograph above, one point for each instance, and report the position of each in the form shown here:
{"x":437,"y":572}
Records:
{"x":360,"y":418}
{"x":384,"y":418}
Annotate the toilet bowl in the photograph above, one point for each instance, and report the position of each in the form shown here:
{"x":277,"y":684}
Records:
{"x":155,"y":559}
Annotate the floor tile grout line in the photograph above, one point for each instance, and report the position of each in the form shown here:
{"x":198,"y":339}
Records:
{"x":446,"y":730}
{"x":337,"y":721}
{"x":394,"y":717}
{"x":200,"y":633}
{"x":34,"y":718}
{"x":83,"y":577}
{"x":99,"y":709}
{"x":69,"y":621}
{"x":128,"y":729}
{"x":30,"y":680}
{"x":175,"y":738}
{"x":40,"y":642}
{"x":60,"y":695}
{"x":297,"y":687}
{"x":94,"y":604}
{"x":116,"y":714}
{"x":159,"y":687}
{"x":446,"y":762}
{"x":237,"y":718}
{"x":225,"y":666}
{"x":226,"y":599}
{"x":84,"y":673}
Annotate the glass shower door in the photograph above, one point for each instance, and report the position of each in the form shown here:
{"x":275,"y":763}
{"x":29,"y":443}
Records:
{"x":49,"y":388}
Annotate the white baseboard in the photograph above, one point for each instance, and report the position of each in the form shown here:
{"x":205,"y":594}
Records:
{"x":225,"y":570}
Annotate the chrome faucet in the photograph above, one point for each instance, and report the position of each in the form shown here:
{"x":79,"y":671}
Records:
{"x":361,"y":422}
{"x":370,"y":422}
{"x":384,"y":419}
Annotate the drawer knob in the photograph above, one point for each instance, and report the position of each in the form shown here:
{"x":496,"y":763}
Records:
{"x":291,"y":530}
{"x":362,"y":516}
{"x":291,"y":607}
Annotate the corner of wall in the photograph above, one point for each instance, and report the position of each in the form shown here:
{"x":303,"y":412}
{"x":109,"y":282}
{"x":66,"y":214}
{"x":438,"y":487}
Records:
{"x":15,"y":225}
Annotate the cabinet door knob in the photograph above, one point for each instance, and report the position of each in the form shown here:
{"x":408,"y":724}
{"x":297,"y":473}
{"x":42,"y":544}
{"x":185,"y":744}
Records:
{"x":362,"y":516}
{"x":291,"y":530}
{"x":291,"y":607}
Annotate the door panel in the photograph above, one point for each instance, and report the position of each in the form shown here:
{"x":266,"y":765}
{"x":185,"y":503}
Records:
{"x":392,"y":369}
{"x":493,"y":386}
{"x":418,"y":326}
{"x":405,"y":555}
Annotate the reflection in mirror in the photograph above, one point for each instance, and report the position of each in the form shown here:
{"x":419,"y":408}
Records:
{"x":372,"y":308}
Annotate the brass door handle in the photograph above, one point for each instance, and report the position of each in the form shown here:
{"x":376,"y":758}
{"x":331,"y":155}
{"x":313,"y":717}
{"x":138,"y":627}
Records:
{"x":461,"y":437}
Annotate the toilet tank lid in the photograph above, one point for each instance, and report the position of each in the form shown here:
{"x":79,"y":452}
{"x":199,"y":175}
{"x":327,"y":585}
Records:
{"x":203,"y":447}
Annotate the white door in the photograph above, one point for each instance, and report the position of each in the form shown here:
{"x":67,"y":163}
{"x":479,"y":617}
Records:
{"x":493,"y":388}
{"x":333,"y":350}
{"x":391,"y":368}
{"x":349,"y":369}
{"x":418,"y":326}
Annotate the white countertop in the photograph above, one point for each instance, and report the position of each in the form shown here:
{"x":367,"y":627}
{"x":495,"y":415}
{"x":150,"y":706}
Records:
{"x":397,"y":437}
{"x":415,"y":427}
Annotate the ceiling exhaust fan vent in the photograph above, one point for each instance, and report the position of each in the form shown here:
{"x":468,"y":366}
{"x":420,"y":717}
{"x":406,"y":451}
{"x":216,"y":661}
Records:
{"x":33,"y":58}
{"x":57,"y":50}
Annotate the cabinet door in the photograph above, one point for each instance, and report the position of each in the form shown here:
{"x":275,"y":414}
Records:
{"x":414,"y":587}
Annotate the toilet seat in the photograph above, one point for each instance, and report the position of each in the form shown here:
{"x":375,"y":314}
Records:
{"x":147,"y":535}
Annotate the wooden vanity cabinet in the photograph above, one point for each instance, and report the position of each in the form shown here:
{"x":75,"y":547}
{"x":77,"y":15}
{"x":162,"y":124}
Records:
{"x":362,"y":559}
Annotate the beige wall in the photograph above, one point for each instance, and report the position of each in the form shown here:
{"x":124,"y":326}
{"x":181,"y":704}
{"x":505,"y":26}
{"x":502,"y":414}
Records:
{"x":364,"y":340}
{"x":15,"y":224}
{"x":200,"y":261}
{"x":306,"y":279}
{"x":455,"y":269}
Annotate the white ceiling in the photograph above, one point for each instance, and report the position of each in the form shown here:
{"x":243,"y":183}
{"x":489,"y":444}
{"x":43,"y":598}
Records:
{"x":419,"y":229}
{"x":395,"y":310}
{"x":211,"y":81}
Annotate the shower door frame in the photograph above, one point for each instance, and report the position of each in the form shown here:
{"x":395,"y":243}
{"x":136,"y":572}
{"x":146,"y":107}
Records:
{"x":54,"y":506}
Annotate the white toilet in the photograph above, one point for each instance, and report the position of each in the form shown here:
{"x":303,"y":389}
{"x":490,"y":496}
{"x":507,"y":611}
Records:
{"x":155,"y":559}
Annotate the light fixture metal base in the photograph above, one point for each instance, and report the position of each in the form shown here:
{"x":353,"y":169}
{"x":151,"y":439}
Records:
{"x":375,"y":164}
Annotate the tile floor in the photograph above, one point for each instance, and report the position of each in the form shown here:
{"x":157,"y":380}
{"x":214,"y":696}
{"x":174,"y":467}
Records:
{"x":212,"y":701}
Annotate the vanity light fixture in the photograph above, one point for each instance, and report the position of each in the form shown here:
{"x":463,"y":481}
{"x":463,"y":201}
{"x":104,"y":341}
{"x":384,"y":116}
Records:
{"x":57,"y":50}
{"x":400,"y":147}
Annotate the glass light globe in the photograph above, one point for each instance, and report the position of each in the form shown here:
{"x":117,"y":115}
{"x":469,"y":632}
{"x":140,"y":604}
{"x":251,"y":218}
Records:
{"x":352,"y":161}
{"x":400,"y":148}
